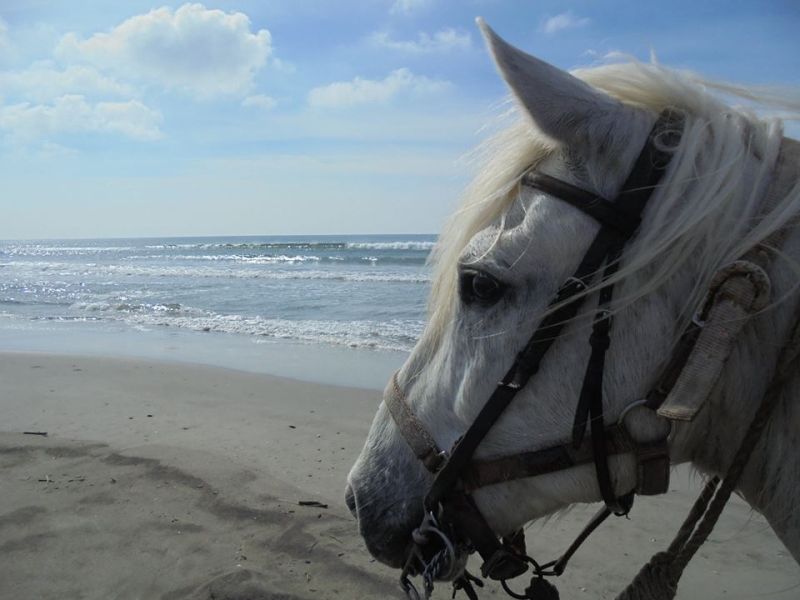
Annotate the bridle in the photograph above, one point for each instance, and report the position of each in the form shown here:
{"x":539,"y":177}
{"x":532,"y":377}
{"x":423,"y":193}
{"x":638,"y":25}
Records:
{"x":456,"y":474}
{"x":452,"y":523}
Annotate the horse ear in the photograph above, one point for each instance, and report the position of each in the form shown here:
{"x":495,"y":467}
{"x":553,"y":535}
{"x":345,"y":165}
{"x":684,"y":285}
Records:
{"x":561,"y":105}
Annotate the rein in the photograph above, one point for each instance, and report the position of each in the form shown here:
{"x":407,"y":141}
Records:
{"x":453,"y":525}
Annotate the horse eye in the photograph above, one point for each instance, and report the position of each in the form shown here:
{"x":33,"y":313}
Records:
{"x":479,"y":287}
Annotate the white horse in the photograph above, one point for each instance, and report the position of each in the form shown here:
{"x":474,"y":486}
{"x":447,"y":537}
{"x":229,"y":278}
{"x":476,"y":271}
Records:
{"x":503,"y":255}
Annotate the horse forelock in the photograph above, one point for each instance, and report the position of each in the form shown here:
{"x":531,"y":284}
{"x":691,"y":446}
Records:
{"x":704,"y":212}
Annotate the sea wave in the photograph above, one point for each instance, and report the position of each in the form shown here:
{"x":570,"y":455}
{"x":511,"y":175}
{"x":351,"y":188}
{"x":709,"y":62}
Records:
{"x":11,"y":302}
{"x":38,"y":249}
{"x":421,"y":246}
{"x":395,"y":334}
{"x":414,"y":246}
{"x":171,"y":309}
{"x":252,"y":246}
{"x":161,"y":271}
{"x":301,"y":286}
{"x":273,"y":259}
{"x":376,"y":335}
{"x":22,"y":250}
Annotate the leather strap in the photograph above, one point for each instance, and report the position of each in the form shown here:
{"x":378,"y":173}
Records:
{"x":601,"y":210}
{"x":498,"y":562}
{"x":421,"y":442}
{"x":482,"y":473}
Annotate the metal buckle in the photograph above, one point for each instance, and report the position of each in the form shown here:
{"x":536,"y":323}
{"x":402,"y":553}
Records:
{"x":510,"y":385}
{"x":579,"y":282}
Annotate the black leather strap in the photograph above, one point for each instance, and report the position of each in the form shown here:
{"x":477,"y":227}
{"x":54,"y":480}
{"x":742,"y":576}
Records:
{"x":590,"y":402}
{"x":601,"y":210}
{"x":615,"y":219}
{"x":510,"y":467}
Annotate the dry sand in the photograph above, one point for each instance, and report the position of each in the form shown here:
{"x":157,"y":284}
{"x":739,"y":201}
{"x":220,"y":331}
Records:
{"x":180,"y":482}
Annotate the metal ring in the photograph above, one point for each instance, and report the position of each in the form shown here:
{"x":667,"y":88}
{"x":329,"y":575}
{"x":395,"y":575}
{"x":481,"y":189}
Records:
{"x":451,"y":552}
{"x":538,"y":571}
{"x":673,"y":425}
{"x":673,"y":430}
{"x":409,"y":589}
{"x":511,"y":592}
{"x":629,"y":408}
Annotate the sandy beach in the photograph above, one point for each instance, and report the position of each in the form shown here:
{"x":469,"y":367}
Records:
{"x":160,"y":480}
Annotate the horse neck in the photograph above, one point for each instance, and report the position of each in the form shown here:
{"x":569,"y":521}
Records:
{"x":771,"y":480}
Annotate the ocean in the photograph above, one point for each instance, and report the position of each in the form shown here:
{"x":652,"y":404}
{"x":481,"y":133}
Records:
{"x":222,"y":300}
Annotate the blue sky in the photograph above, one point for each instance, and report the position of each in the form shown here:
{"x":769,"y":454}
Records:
{"x":246,"y":117}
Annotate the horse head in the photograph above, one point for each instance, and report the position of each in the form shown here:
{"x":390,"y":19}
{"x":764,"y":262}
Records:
{"x":504,"y":257}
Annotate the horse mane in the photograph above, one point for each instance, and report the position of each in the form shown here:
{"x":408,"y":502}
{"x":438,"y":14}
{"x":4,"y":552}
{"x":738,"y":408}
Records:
{"x":705,"y":179}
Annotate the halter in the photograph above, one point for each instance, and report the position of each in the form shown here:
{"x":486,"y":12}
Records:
{"x":456,"y":474}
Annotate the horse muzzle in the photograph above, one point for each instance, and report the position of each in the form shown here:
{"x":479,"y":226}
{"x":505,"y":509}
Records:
{"x":385,"y":527}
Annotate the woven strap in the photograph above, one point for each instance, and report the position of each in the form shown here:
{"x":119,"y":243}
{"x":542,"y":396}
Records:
{"x":743,"y":292}
{"x":415,"y":433}
{"x":737,"y":292}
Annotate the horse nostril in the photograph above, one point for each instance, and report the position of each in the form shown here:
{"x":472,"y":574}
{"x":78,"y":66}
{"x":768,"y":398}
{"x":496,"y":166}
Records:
{"x":350,"y":499}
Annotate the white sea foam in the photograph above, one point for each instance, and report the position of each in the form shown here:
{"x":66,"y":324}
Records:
{"x":159,"y":271}
{"x":392,"y":335}
{"x":251,"y":246}
{"x":14,"y":250}
{"x":395,"y":335}
{"x":422,"y":246}
{"x":170,"y":309}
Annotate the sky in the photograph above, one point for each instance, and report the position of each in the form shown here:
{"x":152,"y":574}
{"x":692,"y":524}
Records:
{"x":132,"y":118}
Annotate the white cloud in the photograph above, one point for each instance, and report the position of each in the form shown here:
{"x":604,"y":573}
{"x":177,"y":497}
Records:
{"x":259,"y":101}
{"x":566,"y":20}
{"x":25,"y":123}
{"x":406,"y":7}
{"x":44,"y":102}
{"x":42,"y":82}
{"x":132,"y":119}
{"x":205,"y":52}
{"x":441,"y":41}
{"x":342,"y":94}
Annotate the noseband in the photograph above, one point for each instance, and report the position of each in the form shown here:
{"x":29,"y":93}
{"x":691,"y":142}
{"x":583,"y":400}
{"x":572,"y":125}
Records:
{"x":450,"y":513}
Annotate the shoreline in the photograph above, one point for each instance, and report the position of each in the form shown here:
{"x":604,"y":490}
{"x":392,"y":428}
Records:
{"x":304,"y":361}
{"x":172,"y":481}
